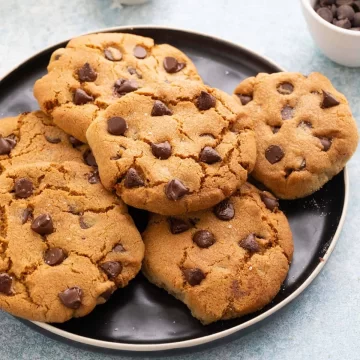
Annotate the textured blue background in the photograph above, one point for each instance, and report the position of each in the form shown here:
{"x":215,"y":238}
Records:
{"x":325,"y":321}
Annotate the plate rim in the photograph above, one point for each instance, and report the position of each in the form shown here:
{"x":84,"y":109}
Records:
{"x":222,"y":334}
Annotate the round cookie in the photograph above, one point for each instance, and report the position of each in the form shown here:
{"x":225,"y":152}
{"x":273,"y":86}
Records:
{"x":66,"y":243}
{"x":304,"y":128}
{"x":93,"y":71}
{"x":169,"y":148}
{"x":224,"y":262}
{"x":32,"y":137}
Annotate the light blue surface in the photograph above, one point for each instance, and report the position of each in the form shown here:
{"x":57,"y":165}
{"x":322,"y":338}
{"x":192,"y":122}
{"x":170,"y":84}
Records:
{"x":325,"y":321}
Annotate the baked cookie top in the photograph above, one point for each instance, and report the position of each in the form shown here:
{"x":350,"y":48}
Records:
{"x":223,"y":262}
{"x":169,"y":148}
{"x":93,"y":71}
{"x":66,"y":243}
{"x":304,"y":128}
{"x":32,"y":137}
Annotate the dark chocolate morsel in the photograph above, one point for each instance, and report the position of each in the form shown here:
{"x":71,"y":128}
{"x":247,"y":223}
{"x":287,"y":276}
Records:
{"x":5,"y":284}
{"x":54,"y":256}
{"x":194,"y":276}
{"x":87,"y":73}
{"x":204,"y":238}
{"x":133,"y":179}
{"x":274,"y":154}
{"x":111,"y":268}
{"x":43,"y":224}
{"x":116,"y":125}
{"x":81,"y":97}
{"x":23,"y":188}
{"x":224,"y":210}
{"x":177,"y":225}
{"x":271,"y":203}
{"x":205,"y":101}
{"x":160,"y":109}
{"x":175,"y":190}
{"x":249,"y":243}
{"x":209,"y":155}
{"x":171,"y":65}
{"x":71,"y":298}
{"x":162,"y":150}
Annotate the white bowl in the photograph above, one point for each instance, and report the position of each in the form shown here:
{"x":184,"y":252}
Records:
{"x":340,"y":45}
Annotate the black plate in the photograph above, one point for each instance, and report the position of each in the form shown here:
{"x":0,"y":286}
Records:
{"x":141,"y":313}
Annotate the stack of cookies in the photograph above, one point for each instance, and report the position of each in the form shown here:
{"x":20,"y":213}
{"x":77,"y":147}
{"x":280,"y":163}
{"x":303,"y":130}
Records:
{"x":125,"y":121}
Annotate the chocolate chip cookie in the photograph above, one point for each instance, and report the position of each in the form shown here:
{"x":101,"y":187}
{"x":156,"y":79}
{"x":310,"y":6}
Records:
{"x":223,"y":262}
{"x":304,"y":127}
{"x":32,"y":137}
{"x":169,"y":148}
{"x":65,"y":242}
{"x":93,"y":71}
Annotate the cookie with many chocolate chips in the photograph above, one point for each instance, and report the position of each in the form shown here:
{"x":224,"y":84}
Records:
{"x":170,"y":148}
{"x":93,"y":71}
{"x":33,"y":137}
{"x":66,"y":243}
{"x":304,"y":128}
{"x":223,"y":264}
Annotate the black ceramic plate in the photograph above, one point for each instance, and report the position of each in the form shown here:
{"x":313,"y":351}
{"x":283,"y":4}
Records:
{"x":142,"y":317}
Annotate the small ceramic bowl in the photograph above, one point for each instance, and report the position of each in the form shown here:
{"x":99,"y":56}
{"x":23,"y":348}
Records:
{"x":340,"y":45}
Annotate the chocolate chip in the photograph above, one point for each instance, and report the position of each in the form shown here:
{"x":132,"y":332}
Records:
{"x":27,"y":215}
{"x":343,"y":2}
{"x":205,"y":101}
{"x":133,"y":179}
{"x":5,"y":284}
{"x":328,"y":100}
{"x":116,"y":125}
{"x":23,"y":188}
{"x":89,"y":158}
{"x":171,"y":65}
{"x":111,"y":268}
{"x":83,"y":223}
{"x":175,"y":190}
{"x":52,"y":140}
{"x":244,"y":99}
{"x":345,"y":12}
{"x":224,"y":210}
{"x":161,"y":151}
{"x":285,"y":88}
{"x":327,"y":2}
{"x":356,"y":5}
{"x":275,"y":129}
{"x":249,"y":243}
{"x":71,"y":297}
{"x":274,"y":154}
{"x":325,"y":142}
{"x":194,"y":276}
{"x":6,"y":145}
{"x":87,"y":73}
{"x":204,"y":238}
{"x":177,"y":225}
{"x":57,"y":57}
{"x":356,"y":21}
{"x":160,"y":109}
{"x":287,"y":112}
{"x":118,"y":248}
{"x":54,"y":256}
{"x":113,"y":54}
{"x":106,"y":294}
{"x":209,"y":155}
{"x":81,"y":97}
{"x":123,"y":86}
{"x":133,"y":71}
{"x":75,"y":142}
{"x":139,"y":52}
{"x":270,"y":202}
{"x":93,"y":177}
{"x":344,"y":24}
{"x":326,"y":14}
{"x":43,"y":224}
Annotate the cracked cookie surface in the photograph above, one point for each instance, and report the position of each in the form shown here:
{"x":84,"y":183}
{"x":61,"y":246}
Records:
{"x":169,"y":148}
{"x":32,"y":137}
{"x":93,"y":71}
{"x":224,"y":262}
{"x":66,"y":243}
{"x":304,"y":128}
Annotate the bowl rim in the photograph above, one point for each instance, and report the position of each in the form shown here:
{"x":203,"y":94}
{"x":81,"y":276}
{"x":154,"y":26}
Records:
{"x":307,"y":6}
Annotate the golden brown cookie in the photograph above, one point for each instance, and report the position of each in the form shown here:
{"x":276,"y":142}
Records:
{"x":93,"y":71}
{"x":224,"y":262}
{"x":32,"y":137}
{"x":304,"y":128}
{"x":169,"y":148}
{"x":66,"y":243}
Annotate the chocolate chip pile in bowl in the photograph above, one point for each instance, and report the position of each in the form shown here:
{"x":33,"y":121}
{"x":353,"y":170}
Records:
{"x":342,"y":13}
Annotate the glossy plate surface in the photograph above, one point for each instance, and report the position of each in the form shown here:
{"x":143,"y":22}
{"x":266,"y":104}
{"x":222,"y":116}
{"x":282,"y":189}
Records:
{"x":142,"y":317}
